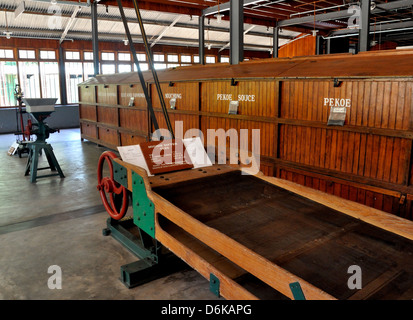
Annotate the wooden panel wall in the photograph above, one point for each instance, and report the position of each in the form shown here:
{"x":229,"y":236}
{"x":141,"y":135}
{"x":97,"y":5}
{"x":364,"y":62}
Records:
{"x":107,"y":118}
{"x":368,"y":160}
{"x":299,"y":48}
{"x":187,"y":105}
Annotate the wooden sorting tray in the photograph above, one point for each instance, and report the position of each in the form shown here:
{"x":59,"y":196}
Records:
{"x":259,"y":234}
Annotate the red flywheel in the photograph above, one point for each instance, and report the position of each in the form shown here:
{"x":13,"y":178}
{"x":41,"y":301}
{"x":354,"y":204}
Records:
{"x":115,"y":197}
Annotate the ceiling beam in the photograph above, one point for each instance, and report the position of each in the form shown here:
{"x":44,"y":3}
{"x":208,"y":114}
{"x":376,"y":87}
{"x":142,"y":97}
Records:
{"x":344,"y":13}
{"x":70,"y":23}
{"x":86,"y":14}
{"x":229,"y":43}
{"x":374,"y":28}
{"x":226,"y":6}
{"x":165,"y":6}
{"x":68,"y":3}
{"x":165,"y":31}
{"x":82,"y":35}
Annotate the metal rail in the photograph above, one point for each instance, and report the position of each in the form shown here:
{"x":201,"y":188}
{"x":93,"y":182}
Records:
{"x":150,"y":60}
{"x":136,"y":61}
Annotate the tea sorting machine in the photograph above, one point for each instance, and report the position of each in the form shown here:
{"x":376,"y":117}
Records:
{"x":251,"y":236}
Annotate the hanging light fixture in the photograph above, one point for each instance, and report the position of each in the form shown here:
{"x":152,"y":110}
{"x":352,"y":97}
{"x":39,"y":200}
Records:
{"x":218,"y":15}
{"x":7,"y":32}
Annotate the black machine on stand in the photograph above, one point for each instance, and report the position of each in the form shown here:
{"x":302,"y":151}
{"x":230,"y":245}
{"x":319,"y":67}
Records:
{"x":40,"y":110}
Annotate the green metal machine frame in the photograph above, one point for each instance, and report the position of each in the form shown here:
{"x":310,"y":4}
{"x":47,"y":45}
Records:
{"x":137,"y":234}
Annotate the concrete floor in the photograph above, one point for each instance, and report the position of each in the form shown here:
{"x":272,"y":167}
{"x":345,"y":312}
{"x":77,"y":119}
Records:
{"x":59,"y":222}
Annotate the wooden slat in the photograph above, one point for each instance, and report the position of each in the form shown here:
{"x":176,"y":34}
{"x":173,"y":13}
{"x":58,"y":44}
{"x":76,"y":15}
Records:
{"x":372,"y":216}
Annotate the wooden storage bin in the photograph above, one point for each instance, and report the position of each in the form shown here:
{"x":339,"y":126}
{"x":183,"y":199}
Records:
{"x":371,"y":155}
{"x":88,"y":130}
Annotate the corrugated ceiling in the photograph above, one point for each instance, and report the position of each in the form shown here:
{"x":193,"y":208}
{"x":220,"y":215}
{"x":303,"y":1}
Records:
{"x":37,"y":19}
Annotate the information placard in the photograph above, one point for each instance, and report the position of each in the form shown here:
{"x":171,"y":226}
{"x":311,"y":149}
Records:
{"x":166,"y":156}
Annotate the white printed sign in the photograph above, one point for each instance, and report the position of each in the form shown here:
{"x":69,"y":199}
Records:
{"x":337,"y":103}
{"x":241,"y":97}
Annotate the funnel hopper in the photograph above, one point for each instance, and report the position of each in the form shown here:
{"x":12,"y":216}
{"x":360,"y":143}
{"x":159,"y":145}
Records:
{"x":40,"y":105}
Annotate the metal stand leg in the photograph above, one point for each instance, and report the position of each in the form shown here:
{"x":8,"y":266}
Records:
{"x":51,"y":158}
{"x":33,"y":159}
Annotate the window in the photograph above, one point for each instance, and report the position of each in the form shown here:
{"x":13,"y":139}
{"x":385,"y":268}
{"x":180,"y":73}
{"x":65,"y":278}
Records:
{"x":6,"y":54}
{"x":186,"y":59}
{"x":141,"y":57}
{"x":124,"y":57}
{"x":143,"y":66}
{"x":8,"y":81}
{"x":48,"y":55}
{"x":124,"y":68}
{"x":27,"y":54}
{"x":158,"y":57}
{"x":74,"y":76}
{"x":29,"y":79}
{"x":72,"y":55}
{"x":88,"y":55}
{"x":160,"y":66}
{"x":173,"y":65}
{"x":196,"y":59}
{"x":224,"y":59}
{"x":49,"y":75}
{"x":88,"y":70}
{"x":173,"y":58}
{"x":108,"y":69}
{"x":108,"y":56}
{"x":210,"y":59}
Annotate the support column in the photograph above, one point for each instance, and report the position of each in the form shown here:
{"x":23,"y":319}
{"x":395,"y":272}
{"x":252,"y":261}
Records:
{"x":236,"y":31}
{"x":328,"y":48}
{"x":95,"y":37}
{"x":275,"y":42}
{"x":202,"y":39}
{"x":319,"y":43}
{"x":62,"y":76}
{"x":364,"y":33}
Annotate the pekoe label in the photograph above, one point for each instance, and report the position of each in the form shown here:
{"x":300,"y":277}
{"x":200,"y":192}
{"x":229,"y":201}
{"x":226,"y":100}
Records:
{"x":240,"y":97}
{"x":337,"y":103}
{"x":224,"y":97}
